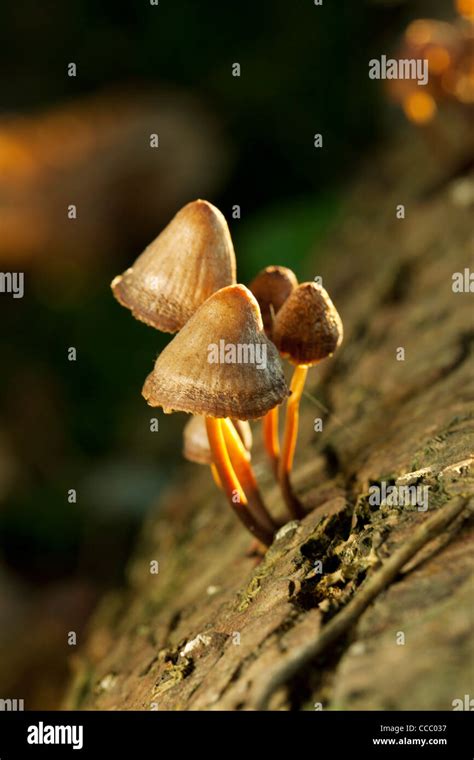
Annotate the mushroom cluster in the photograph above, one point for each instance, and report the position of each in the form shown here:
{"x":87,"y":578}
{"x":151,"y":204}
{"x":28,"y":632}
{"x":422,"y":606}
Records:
{"x":306,"y":328}
{"x":224,"y":366}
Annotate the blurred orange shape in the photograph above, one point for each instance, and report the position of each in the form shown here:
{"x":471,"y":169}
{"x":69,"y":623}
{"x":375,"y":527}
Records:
{"x":465,"y":8}
{"x":419,"y":107}
{"x":438,"y":59}
{"x":465,"y":88}
{"x":15,"y":159}
{"x":419,"y":32}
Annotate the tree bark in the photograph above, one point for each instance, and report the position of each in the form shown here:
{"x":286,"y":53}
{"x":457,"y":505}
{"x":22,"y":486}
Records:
{"x":214,"y":629}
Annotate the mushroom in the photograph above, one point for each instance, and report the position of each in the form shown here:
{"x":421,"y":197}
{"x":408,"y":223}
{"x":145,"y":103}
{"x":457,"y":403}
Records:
{"x":196,"y":443}
{"x":271,"y":287}
{"x":188,"y":261}
{"x":222,"y":365}
{"x":307,"y":329}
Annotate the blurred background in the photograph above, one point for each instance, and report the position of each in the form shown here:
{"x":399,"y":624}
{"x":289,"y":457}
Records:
{"x":85,"y":140}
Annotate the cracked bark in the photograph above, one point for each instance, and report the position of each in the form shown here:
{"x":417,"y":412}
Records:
{"x":212,"y":628}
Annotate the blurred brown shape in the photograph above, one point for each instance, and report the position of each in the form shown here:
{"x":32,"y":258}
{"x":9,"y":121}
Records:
{"x":96,"y":153}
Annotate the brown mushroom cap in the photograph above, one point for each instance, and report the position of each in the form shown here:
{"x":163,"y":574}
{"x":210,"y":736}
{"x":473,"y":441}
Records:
{"x":196,"y":443}
{"x":191,"y":259}
{"x":308,"y":327}
{"x":184,"y":379}
{"x":271,"y":287}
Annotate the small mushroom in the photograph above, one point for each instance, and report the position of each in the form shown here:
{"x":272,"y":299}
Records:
{"x":188,"y":261}
{"x":196,"y":443}
{"x":221,"y":364}
{"x":271,"y":287}
{"x":307,"y":329}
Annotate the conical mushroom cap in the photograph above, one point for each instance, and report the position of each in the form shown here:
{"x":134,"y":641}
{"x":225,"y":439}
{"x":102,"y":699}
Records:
{"x":196,"y":444}
{"x":307,"y":328}
{"x":271,"y":287}
{"x":191,"y":259}
{"x":221,"y":364}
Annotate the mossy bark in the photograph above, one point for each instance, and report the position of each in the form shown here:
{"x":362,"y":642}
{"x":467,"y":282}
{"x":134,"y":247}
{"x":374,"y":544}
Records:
{"x":209,"y":629}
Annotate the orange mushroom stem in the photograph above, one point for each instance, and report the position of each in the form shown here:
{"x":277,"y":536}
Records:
{"x":271,"y":437}
{"x":215,"y":476}
{"x":240,"y":460}
{"x":196,"y":444}
{"x":230,"y":482}
{"x":289,"y":440}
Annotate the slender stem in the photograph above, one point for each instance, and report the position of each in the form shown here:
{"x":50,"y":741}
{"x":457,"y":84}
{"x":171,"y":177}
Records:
{"x":289,"y":440}
{"x":239,"y":458}
{"x":230,"y":482}
{"x":215,"y":475}
{"x":271,"y":438}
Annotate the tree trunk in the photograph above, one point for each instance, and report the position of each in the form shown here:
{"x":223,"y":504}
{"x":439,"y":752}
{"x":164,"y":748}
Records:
{"x":216,"y":629}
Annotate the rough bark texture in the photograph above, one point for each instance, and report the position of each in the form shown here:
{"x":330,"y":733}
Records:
{"x":209,"y":629}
